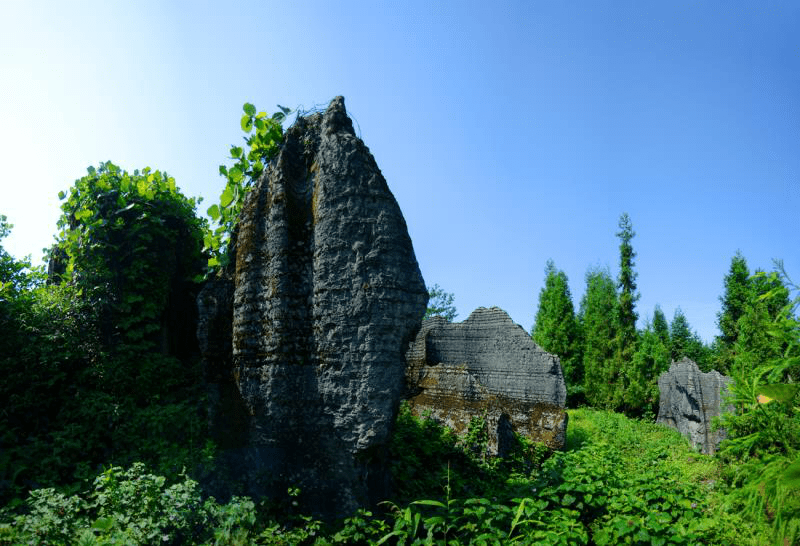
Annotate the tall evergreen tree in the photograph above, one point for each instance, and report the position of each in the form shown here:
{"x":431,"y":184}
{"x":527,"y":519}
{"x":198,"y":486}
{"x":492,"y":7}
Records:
{"x":755,"y":344}
{"x":683,"y":341}
{"x":660,"y":325}
{"x":734,"y":301}
{"x":556,"y":328}
{"x":626,"y":284}
{"x":598,"y":307}
{"x":649,"y":361}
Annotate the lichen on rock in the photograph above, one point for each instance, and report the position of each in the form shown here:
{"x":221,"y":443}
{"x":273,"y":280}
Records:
{"x":327,"y":295}
{"x":487,"y":366}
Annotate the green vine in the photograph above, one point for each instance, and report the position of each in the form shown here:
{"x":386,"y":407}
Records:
{"x":265,"y":134}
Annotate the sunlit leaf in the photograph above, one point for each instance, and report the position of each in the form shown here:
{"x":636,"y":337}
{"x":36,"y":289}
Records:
{"x":782,"y":392}
{"x":213,"y":212}
{"x":235,"y":174}
{"x":247,"y":123}
{"x":249,"y":109}
{"x":61,"y":195}
{"x":226,"y":197}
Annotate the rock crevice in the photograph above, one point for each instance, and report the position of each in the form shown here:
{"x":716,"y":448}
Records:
{"x":326,"y":296}
{"x":689,"y":400}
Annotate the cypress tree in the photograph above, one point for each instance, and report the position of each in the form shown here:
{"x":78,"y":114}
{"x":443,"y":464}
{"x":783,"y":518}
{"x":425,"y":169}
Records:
{"x":556,"y":328}
{"x":734,"y":301}
{"x":660,"y":325}
{"x":598,"y":307}
{"x":649,"y":361}
{"x":626,"y":284}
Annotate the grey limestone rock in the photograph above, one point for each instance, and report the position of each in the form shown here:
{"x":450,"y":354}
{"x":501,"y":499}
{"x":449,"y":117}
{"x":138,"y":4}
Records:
{"x":327,"y":295}
{"x":487,"y":365}
{"x":689,"y":400}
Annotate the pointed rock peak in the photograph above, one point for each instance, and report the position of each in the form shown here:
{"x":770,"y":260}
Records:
{"x":335,"y":119}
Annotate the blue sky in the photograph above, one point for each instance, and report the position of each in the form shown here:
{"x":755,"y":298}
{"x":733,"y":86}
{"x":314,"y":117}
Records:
{"x":509,"y":132}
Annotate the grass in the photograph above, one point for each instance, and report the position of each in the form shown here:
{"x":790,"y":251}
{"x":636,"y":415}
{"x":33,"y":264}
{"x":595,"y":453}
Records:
{"x":619,"y":481}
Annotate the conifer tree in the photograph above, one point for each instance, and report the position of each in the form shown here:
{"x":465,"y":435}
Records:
{"x":734,"y":301}
{"x":683,"y":341}
{"x":755,"y":344}
{"x":660,"y":325}
{"x":556,"y":328}
{"x":598,"y":307}
{"x":649,"y":361}
{"x":440,"y":304}
{"x":626,"y":284}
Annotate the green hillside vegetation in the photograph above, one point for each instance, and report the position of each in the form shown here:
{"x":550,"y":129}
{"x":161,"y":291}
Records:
{"x":103,"y":434}
{"x":618,"y":481}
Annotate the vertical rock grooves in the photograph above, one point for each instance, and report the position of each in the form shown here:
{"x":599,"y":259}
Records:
{"x":690,"y":399}
{"x":327,"y":296}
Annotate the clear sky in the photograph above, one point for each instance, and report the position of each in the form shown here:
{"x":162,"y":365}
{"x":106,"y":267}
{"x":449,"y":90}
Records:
{"x":509,"y":132}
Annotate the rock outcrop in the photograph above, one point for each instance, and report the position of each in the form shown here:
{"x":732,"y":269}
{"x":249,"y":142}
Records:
{"x":487,"y":366}
{"x":689,"y":400}
{"x":326,"y":296}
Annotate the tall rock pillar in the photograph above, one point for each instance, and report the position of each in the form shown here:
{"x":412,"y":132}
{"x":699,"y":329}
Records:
{"x":327,"y":296}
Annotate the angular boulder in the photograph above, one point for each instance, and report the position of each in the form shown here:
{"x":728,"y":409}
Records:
{"x":326,"y":296}
{"x":688,"y":401}
{"x":487,"y":366}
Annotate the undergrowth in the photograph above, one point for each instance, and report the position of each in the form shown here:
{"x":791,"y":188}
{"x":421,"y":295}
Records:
{"x":619,"y":481}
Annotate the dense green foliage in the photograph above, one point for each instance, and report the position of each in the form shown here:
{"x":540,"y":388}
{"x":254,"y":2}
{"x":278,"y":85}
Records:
{"x":557,"y":331}
{"x":764,"y":428}
{"x":685,"y":343}
{"x":619,"y":481}
{"x":598,"y":307}
{"x":100,"y":364}
{"x":440,"y":304}
{"x":734,"y":301}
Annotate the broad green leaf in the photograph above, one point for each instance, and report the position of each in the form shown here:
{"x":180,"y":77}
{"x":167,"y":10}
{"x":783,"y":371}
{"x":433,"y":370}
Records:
{"x":249,"y":109}
{"x":236,"y":152}
{"x":226,"y":197}
{"x":782,"y":392}
{"x":247,"y":123}
{"x":213,"y":212}
{"x":61,"y":195}
{"x":83,"y":213}
{"x":791,"y":475}
{"x":235,"y":174}
{"x":103,"y":524}
{"x":213,"y":262}
{"x":223,"y":170}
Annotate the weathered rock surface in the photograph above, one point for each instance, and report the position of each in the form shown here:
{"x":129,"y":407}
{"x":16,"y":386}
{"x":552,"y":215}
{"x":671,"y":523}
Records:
{"x":325,"y":297}
{"x":487,"y":365}
{"x":689,"y":400}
